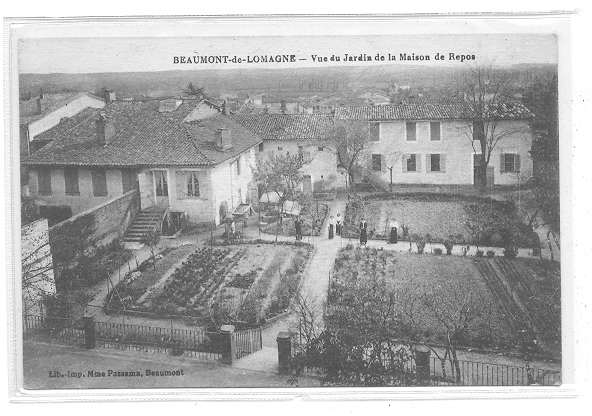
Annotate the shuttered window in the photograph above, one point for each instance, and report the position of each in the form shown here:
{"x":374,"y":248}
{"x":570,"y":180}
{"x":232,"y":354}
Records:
{"x":376,"y":162}
{"x":411,"y":129}
{"x":435,"y":131}
{"x":509,"y":162}
{"x":436,"y":163}
{"x":44,"y":181}
{"x":71,"y":181}
{"x":129,"y":180}
{"x":99,"y":181}
{"x":188,"y":185}
{"x":374,"y":132}
{"x":162,"y":187}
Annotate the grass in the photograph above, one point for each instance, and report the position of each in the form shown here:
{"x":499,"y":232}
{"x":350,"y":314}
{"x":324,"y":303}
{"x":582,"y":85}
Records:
{"x":442,"y":217}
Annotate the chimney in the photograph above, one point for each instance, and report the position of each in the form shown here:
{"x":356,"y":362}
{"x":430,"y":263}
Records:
{"x":225,"y":108}
{"x":223,"y":139}
{"x":108,"y":95}
{"x":39,"y":109}
{"x":283,"y":106}
{"x":105,"y":130}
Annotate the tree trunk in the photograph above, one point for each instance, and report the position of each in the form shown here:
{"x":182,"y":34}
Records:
{"x":456,"y":364}
{"x":482,"y":176}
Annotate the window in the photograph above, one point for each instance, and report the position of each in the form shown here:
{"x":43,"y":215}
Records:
{"x":99,"y":182}
{"x":71,"y":179}
{"x":509,"y":162}
{"x":192,"y":185}
{"x":374,"y":132}
{"x":238,"y":166}
{"x":160,"y":179}
{"x":411,"y":163}
{"x":436,"y":163}
{"x":435,"y":131}
{"x":188,"y":185}
{"x":411,"y":128}
{"x":261,"y":146}
{"x":129,"y":180}
{"x":478,"y":130}
{"x":320,"y":148}
{"x":44,"y":181}
{"x":280,"y":148}
{"x":377,"y":162}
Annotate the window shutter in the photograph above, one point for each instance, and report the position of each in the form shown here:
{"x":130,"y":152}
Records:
{"x":418,"y":163}
{"x":180,"y":179}
{"x":442,"y":163}
{"x":382,"y":163}
{"x":502,"y":162}
{"x":429,"y":162}
{"x":307,"y":156}
{"x":369,"y":161}
{"x":44,"y":181}
{"x":404,"y":163}
{"x":516,"y":163}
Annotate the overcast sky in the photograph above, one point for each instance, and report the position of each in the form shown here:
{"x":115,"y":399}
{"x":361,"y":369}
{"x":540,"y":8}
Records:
{"x":133,"y":54}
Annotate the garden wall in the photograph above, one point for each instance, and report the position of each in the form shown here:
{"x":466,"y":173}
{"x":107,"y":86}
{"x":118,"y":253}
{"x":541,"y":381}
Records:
{"x":105,"y":223}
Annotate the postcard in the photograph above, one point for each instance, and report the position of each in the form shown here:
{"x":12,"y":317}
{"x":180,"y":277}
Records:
{"x":289,"y":204}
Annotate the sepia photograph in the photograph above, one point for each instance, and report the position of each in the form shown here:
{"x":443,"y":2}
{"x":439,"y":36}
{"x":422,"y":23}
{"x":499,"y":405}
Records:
{"x":303,"y":211}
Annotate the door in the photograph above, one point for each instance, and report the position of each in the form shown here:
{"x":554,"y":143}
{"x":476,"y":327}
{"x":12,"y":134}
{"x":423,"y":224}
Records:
{"x":307,"y":184}
{"x":161,"y":187}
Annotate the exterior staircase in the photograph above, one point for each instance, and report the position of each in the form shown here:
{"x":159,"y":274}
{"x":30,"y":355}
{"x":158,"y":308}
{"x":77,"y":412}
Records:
{"x":145,"y":221}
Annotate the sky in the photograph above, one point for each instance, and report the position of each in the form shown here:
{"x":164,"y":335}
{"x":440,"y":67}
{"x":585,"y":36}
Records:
{"x":140,"y":54}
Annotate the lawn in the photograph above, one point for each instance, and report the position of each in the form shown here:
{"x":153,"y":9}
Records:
{"x":454,"y":280}
{"x":243,"y":283}
{"x":442,"y":217}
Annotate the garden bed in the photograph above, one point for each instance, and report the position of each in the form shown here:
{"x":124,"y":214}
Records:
{"x":235,"y":284}
{"x":462,"y":219}
{"x":455,"y":279}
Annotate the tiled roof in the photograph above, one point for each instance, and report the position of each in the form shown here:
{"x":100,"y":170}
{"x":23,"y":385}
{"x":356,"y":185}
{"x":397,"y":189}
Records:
{"x":429,"y":111}
{"x":286,"y":126}
{"x":143,"y":137}
{"x":28,"y":111}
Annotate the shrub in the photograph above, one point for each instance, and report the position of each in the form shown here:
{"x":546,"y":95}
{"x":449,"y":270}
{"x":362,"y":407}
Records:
{"x":448,"y":245}
{"x":479,"y":253}
{"x":490,"y":253}
{"x":511,"y":252}
{"x":438,"y":250}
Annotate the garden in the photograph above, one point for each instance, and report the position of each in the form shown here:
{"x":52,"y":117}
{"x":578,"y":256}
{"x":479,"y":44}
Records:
{"x":464,"y":220}
{"x":312,"y":215}
{"x":440,"y":299}
{"x":241,"y":285}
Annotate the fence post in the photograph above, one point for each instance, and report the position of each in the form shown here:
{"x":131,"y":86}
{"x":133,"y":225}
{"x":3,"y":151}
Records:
{"x":227,"y":343}
{"x":422,"y":364}
{"x":90,"y":340}
{"x":284,"y":342}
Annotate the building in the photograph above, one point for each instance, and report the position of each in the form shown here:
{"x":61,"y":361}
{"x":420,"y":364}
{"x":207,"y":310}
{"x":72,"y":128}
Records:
{"x":302,"y":135}
{"x":182,"y":156}
{"x":433,"y":143}
{"x":38,"y":114}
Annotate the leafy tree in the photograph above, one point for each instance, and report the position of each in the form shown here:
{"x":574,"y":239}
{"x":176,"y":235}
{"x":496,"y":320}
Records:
{"x":348,"y":139}
{"x":197,"y":92}
{"x":29,"y":210}
{"x":488,"y":99}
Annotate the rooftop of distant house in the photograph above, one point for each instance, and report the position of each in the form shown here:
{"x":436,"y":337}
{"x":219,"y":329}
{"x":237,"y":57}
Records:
{"x":144,"y":135}
{"x":286,"y":126}
{"x":29,"y":110}
{"x":431,"y":111}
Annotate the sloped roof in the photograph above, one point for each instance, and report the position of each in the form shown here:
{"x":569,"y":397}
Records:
{"x":286,"y":126}
{"x":430,"y":111}
{"x":28,"y":109}
{"x":143,"y":137}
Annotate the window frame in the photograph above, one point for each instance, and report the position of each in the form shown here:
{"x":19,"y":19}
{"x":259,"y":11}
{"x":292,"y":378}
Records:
{"x":72,"y":188}
{"x":191,"y":175}
{"x":164,"y":184}
{"x":44,"y":190}
{"x":432,"y":162}
{"x":415,"y":157}
{"x":98,"y":174}
{"x":376,"y":157}
{"x":407,"y":124}
{"x":439,"y":139}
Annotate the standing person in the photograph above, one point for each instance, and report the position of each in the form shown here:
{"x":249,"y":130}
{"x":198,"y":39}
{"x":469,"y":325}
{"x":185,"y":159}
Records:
{"x":338,"y":224}
{"x":331,"y":225}
{"x":298,"y":227}
{"x":363,"y":231}
{"x":393,"y":238}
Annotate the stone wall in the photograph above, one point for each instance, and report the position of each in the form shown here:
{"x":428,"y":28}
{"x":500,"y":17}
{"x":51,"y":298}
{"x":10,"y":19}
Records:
{"x":109,"y":220}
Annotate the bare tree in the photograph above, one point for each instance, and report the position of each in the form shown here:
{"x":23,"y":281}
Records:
{"x":487,"y":93}
{"x":456,"y":312}
{"x":348,"y":139}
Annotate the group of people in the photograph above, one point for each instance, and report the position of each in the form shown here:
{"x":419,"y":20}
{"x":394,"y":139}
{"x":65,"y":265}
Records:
{"x":336,"y":228}
{"x":335,"y":223}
